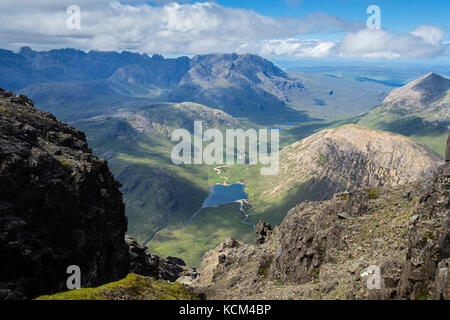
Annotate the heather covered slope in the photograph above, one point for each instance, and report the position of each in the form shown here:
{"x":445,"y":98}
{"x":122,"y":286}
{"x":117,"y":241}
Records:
{"x":133,"y":287}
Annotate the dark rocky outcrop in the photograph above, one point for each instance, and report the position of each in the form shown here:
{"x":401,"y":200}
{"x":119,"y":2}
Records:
{"x":263,"y":230}
{"x":144,"y":263}
{"x":59,"y":205}
{"x":429,"y":239}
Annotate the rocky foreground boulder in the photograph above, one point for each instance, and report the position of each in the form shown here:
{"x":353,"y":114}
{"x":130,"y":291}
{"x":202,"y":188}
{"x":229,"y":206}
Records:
{"x":60,"y":206}
{"x":374,"y":243}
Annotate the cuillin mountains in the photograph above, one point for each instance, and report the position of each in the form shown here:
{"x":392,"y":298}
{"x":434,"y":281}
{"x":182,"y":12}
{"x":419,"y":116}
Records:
{"x":62,"y":206}
{"x":241,"y":85}
{"x":127,"y":105}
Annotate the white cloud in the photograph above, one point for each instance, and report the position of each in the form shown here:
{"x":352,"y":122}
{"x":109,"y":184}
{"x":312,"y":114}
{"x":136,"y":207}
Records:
{"x":171,"y":28}
{"x":424,"y":42}
{"x":202,"y":27}
{"x":290,"y":48}
{"x":429,"y":34}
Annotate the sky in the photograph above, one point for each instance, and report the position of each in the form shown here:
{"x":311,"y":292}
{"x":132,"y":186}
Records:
{"x":294,"y":29}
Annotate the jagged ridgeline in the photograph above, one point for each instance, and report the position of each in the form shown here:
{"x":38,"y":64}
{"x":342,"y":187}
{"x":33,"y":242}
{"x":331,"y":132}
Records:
{"x":241,"y":85}
{"x":61,"y":206}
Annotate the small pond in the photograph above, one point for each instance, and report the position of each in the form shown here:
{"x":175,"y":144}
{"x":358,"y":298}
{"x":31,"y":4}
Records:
{"x":225,"y":194}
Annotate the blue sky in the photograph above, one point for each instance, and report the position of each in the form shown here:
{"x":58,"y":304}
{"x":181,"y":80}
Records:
{"x":397,"y":15}
{"x":297,"y":29}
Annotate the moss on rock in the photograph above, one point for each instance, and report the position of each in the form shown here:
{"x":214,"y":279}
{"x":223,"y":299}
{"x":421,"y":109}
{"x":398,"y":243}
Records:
{"x":133,"y":287}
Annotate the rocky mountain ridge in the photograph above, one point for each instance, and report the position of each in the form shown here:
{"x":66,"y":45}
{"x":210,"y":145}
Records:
{"x":369,"y":157}
{"x":241,"y":85}
{"x":429,"y":94}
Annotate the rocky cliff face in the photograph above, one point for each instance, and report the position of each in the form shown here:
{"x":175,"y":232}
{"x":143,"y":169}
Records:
{"x":328,"y":250}
{"x":59,"y":205}
{"x":209,"y":71}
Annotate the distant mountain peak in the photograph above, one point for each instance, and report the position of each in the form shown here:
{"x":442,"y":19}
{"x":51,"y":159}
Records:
{"x":432,"y":75}
{"x":428,"y":93}
{"x":430,"y":79}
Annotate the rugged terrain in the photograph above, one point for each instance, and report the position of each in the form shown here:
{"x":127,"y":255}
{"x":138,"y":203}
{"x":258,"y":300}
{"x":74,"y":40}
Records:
{"x":238,"y":84}
{"x":70,"y":82}
{"x":60,"y":206}
{"x":328,"y":250}
{"x":352,"y":156}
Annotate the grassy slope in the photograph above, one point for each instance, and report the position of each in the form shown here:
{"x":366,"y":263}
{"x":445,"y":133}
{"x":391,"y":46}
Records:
{"x":410,"y":126}
{"x":208,"y":229}
{"x":133,"y":287}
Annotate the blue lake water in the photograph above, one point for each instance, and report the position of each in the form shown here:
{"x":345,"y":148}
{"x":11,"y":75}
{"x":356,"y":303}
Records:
{"x":225,"y":194}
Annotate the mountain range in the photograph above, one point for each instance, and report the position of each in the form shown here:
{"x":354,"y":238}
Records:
{"x":72,"y":83}
{"x":62,"y":206}
{"x":241,"y":85}
{"x":128,"y":104}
